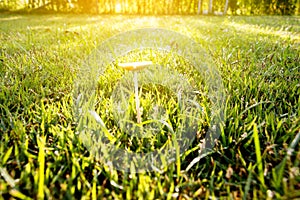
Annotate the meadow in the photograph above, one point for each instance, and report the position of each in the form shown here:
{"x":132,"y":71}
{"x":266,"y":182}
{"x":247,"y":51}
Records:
{"x":257,"y":155}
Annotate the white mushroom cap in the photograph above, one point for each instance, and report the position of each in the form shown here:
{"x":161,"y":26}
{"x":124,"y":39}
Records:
{"x":135,"y":66}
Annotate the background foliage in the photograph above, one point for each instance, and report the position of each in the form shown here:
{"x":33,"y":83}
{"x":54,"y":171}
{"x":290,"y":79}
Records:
{"x":244,"y":7}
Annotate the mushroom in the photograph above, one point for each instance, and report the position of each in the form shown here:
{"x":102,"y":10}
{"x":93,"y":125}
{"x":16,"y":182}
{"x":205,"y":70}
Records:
{"x":135,"y":67}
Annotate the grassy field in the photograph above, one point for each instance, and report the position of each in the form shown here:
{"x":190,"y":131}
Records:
{"x":256,"y":157}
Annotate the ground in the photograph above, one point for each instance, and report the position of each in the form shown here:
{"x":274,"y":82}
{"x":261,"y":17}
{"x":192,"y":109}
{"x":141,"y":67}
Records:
{"x":257,"y":155}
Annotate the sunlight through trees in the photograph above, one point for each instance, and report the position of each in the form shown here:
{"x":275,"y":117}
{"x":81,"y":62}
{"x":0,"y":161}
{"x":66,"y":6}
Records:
{"x":213,"y":7}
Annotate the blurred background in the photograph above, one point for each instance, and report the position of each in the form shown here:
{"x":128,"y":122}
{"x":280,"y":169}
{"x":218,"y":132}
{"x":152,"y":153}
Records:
{"x":156,"y":7}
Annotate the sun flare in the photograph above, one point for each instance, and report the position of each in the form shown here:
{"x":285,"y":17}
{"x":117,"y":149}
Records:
{"x":118,"y":8}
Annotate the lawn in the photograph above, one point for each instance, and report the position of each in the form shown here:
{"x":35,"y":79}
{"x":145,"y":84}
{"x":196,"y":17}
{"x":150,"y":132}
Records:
{"x":257,"y":155}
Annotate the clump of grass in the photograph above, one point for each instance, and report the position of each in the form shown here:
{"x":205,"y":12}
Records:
{"x":161,"y":106}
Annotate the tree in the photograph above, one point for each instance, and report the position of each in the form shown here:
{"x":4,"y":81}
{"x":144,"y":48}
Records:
{"x":226,"y":7}
{"x":286,"y":7}
{"x":200,"y":2}
{"x":31,"y":4}
{"x":233,"y":6}
{"x":210,"y":7}
{"x":88,"y":6}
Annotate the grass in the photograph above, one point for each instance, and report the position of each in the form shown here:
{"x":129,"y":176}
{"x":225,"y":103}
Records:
{"x":257,"y":155}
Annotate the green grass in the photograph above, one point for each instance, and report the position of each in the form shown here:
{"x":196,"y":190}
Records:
{"x":256,"y":157}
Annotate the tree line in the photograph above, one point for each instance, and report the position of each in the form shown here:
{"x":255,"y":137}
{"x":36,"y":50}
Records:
{"x":183,"y":7}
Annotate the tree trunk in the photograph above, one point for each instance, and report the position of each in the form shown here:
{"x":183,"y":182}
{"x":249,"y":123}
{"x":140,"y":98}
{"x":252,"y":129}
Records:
{"x":210,"y":9}
{"x":97,"y":7}
{"x":226,"y":7}
{"x":199,"y":7}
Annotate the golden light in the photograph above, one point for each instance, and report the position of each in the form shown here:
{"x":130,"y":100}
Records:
{"x":118,"y":8}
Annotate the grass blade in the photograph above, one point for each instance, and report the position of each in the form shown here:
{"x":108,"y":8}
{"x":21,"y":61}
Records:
{"x":41,"y":160}
{"x":7,"y":177}
{"x":7,"y":155}
{"x":258,"y":155}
